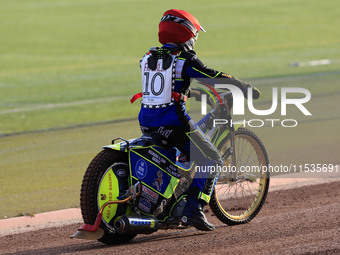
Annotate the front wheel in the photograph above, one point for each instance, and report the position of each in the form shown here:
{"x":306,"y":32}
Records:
{"x":105,"y":179}
{"x":242,"y":186}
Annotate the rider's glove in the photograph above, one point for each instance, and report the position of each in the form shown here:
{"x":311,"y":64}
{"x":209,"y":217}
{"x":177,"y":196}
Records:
{"x":195,"y":93}
{"x":256,"y":92}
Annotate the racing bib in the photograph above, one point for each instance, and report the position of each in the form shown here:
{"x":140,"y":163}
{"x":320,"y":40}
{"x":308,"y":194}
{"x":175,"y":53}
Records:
{"x":157,"y":84}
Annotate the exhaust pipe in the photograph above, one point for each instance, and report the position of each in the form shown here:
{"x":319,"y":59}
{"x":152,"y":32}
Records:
{"x":132,"y":224}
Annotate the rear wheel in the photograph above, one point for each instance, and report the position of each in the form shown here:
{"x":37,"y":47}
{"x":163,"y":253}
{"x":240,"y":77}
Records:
{"x":105,"y":179}
{"x":242,"y":186}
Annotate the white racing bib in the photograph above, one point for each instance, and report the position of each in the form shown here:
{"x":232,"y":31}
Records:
{"x":157,"y":84}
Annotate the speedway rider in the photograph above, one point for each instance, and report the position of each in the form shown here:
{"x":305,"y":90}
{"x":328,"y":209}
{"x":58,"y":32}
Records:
{"x":166,"y":75}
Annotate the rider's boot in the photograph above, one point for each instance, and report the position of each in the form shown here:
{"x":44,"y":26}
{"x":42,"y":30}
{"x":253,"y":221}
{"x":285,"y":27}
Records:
{"x":193,"y":215}
{"x":199,"y":195}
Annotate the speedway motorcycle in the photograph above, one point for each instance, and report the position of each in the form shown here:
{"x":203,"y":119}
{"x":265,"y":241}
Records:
{"x":139,"y":186}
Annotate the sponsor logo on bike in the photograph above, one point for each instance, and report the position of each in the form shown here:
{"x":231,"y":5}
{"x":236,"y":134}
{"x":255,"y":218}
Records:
{"x":164,"y":163}
{"x":141,"y":168}
{"x":149,"y":194}
{"x":158,"y":181}
{"x":172,"y":170}
{"x":144,"y":205}
{"x":121,"y":172}
{"x":156,"y":157}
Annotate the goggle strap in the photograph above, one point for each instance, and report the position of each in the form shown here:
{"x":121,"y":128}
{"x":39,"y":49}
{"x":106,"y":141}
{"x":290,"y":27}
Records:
{"x":183,"y":22}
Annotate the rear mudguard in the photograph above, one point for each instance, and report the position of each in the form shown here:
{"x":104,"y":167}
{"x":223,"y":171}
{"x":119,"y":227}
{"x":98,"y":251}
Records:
{"x":144,"y":141}
{"x":117,"y":147}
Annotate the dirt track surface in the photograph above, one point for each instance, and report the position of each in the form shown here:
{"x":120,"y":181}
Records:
{"x":304,"y":220}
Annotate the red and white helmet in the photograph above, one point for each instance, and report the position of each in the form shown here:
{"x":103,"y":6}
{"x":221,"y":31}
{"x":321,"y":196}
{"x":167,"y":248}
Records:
{"x":178,"y":26}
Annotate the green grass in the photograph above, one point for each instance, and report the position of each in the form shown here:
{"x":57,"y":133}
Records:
{"x":66,"y":51}
{"x":62,"y":63}
{"x":43,"y":171}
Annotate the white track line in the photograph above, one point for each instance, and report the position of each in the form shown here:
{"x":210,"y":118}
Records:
{"x":312,"y":63}
{"x":51,"y":106}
